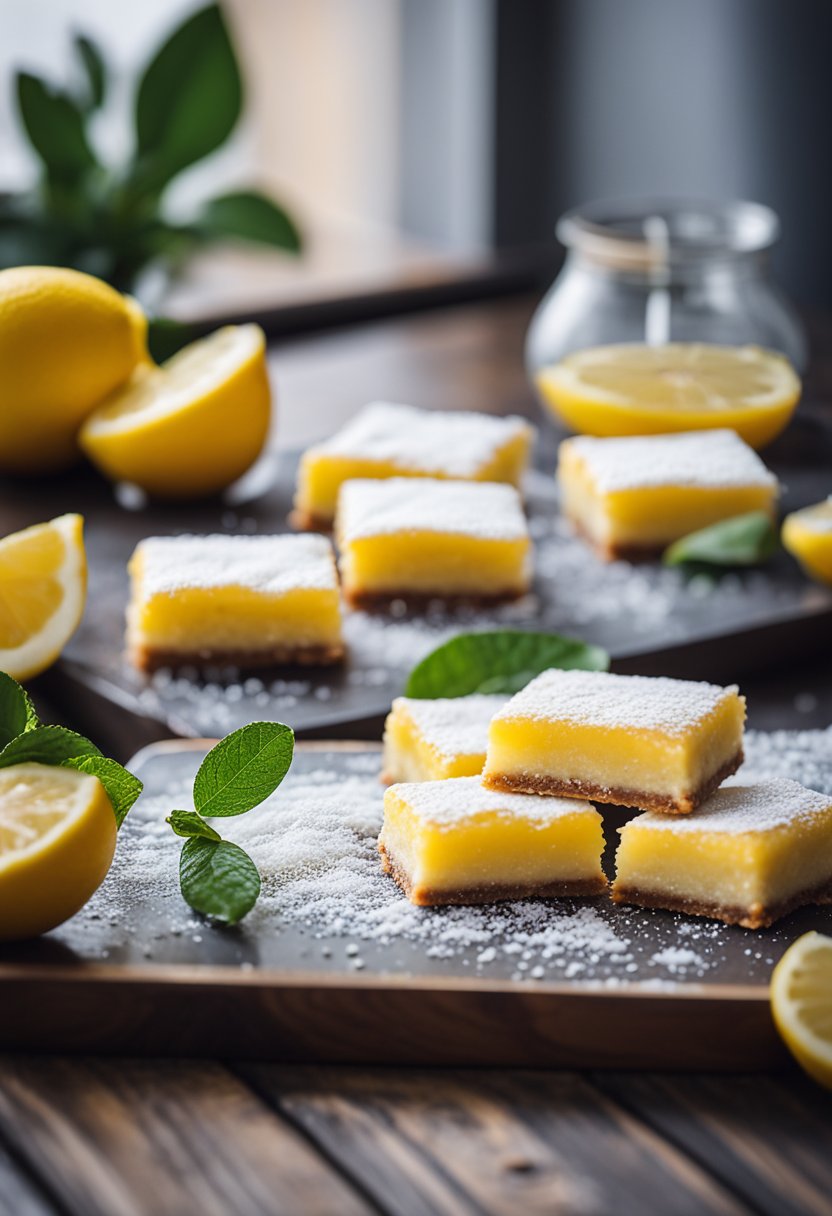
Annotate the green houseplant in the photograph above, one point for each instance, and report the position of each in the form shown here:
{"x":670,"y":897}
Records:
{"x":110,"y":220}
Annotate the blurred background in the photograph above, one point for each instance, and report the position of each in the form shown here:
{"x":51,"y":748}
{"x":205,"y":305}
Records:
{"x":422,"y":144}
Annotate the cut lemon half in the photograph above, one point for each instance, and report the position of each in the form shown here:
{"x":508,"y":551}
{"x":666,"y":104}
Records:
{"x":801,"y":1003}
{"x":57,"y":840}
{"x":191,"y":426}
{"x":683,"y":386}
{"x":43,"y":588}
{"x":807,"y":535}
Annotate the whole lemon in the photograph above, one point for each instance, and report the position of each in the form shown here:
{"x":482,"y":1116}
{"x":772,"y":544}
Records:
{"x":67,"y":340}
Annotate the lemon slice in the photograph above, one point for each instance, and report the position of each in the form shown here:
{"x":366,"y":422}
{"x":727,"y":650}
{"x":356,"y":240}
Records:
{"x":801,"y":1003}
{"x":191,"y":426}
{"x":807,"y":535}
{"x":43,"y":588}
{"x":683,"y":386}
{"x":57,"y":840}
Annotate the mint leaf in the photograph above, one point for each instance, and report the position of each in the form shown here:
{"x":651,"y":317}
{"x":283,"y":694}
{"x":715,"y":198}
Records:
{"x":218,"y":879}
{"x":46,"y":745}
{"x":502,"y":661}
{"x":17,"y":713}
{"x":243,"y":769}
{"x":122,"y":787}
{"x":744,"y":540}
{"x":188,"y":823}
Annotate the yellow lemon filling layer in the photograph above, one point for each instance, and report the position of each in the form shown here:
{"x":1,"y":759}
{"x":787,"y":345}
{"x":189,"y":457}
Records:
{"x":437,"y":739}
{"x":434,"y":563}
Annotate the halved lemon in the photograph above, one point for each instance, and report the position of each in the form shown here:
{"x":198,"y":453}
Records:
{"x":807,"y":535}
{"x":801,"y":1003}
{"x":57,"y":840}
{"x":191,"y":426}
{"x":43,"y":588}
{"x":683,"y":386}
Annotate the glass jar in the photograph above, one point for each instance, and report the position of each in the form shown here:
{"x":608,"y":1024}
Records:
{"x":655,"y":272}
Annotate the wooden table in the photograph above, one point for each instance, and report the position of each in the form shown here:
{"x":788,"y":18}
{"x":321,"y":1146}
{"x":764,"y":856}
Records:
{"x":124,"y":1138}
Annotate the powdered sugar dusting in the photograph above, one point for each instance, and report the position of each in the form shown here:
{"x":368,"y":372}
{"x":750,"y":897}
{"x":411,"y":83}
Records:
{"x":478,"y":509}
{"x":455,"y":800}
{"x":739,"y":807}
{"x":455,"y":726}
{"x":270,"y":564}
{"x":709,"y":459}
{"x":596,"y":698}
{"x":456,"y":444}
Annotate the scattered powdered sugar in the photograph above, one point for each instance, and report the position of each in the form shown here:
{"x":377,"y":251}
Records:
{"x":314,"y":841}
{"x":454,"y":800}
{"x":716,"y":458}
{"x":457,"y":444}
{"x":478,"y":509}
{"x":598,"y":698}
{"x":270,"y":564}
{"x":455,"y":726}
{"x":738,"y":808}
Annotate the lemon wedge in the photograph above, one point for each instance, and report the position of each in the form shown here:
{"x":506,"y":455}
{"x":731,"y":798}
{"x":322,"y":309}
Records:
{"x":43,"y":588}
{"x":57,"y":840}
{"x":67,"y":340}
{"x":807,"y":535}
{"x":801,"y":1003}
{"x":191,"y":426}
{"x":683,"y":386}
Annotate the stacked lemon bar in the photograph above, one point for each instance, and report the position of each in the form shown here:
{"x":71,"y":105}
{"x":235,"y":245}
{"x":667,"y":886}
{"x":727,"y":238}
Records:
{"x":744,"y":853}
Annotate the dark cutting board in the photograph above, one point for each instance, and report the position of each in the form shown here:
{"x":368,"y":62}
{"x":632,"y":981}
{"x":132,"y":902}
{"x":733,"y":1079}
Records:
{"x":653,"y":621}
{"x":310,"y":976}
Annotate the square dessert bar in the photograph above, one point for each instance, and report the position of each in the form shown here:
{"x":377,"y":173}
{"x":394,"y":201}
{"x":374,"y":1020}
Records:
{"x":248,"y":601}
{"x":658,"y":744}
{"x":434,"y":740}
{"x":418,"y":538}
{"x":748,"y":856}
{"x":453,"y":842}
{"x":386,"y":440}
{"x":635,"y":495}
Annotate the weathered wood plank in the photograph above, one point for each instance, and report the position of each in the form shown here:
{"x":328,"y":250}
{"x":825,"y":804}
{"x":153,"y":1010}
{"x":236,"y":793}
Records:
{"x":455,"y":1143}
{"x":18,"y":1195}
{"x":123,"y":1138}
{"x":768,"y":1138}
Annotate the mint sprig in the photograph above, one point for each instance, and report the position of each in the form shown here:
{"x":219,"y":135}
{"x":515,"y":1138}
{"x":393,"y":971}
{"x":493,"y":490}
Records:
{"x":501,"y":661}
{"x":24,"y":740}
{"x":743,"y":540}
{"x":218,"y":879}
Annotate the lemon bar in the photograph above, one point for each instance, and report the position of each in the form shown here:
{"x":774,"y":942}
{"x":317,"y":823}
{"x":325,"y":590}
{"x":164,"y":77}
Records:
{"x":748,"y":856}
{"x":437,"y":739}
{"x":653,"y":743}
{"x":807,"y":535}
{"x":386,"y":440}
{"x":453,"y":842}
{"x":634,"y":496}
{"x":421,"y":538}
{"x":249,"y":601}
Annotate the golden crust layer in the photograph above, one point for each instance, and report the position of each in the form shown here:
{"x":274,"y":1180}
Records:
{"x":310,"y":521}
{"x":525,"y":783}
{"x":755,"y":916}
{"x":150,"y":658}
{"x":370,"y":601}
{"x":609,"y":551}
{"x":488,"y":894}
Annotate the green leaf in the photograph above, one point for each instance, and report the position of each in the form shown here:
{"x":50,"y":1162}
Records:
{"x":122,"y":787}
{"x":165,"y":337}
{"x":499,"y":662}
{"x":243,"y":769}
{"x":17,"y":713}
{"x":55,"y":127}
{"x":189,"y":98}
{"x":46,"y":745}
{"x":745,"y":540}
{"x":95,"y":70}
{"x":250,"y":216}
{"x":189,"y":823}
{"x":218,"y":879}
